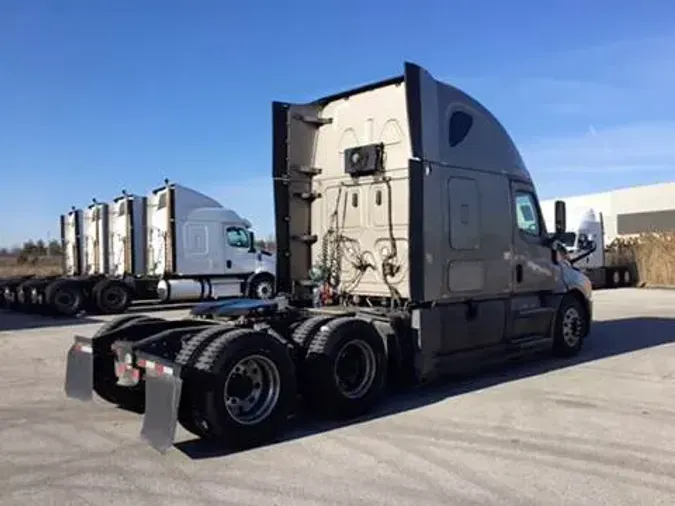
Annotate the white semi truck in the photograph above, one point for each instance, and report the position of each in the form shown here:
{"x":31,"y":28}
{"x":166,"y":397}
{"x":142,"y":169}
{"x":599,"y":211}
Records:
{"x":585,"y":226}
{"x":176,"y":245}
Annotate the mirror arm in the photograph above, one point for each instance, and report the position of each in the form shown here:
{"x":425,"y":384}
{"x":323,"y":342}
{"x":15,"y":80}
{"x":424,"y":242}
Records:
{"x":583,"y":255}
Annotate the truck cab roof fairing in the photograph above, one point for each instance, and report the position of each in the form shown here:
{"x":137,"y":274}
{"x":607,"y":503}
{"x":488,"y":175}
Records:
{"x":431,"y":105}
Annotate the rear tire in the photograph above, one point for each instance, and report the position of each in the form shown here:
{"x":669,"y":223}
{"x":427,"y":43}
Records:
{"x":111,"y":296}
{"x":64,"y":298}
{"x":253,"y":388}
{"x":191,"y":414}
{"x":305,"y":332}
{"x":345,"y":368}
{"x":302,"y":337}
{"x":571,"y":327}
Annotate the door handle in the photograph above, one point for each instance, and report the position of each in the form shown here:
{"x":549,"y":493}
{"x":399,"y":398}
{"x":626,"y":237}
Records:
{"x":228,"y":264}
{"x":519,"y":273}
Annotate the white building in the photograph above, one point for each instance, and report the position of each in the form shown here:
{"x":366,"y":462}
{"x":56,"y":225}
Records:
{"x":625,"y":211}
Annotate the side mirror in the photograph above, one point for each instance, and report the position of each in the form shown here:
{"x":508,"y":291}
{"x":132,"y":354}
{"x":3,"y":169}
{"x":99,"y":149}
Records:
{"x":560,"y":217}
{"x":251,"y":238}
{"x":588,"y":245}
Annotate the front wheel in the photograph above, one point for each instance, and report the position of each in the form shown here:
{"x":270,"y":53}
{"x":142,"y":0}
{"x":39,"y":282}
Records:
{"x":261,"y":287}
{"x":253,"y":387}
{"x":571,"y":327}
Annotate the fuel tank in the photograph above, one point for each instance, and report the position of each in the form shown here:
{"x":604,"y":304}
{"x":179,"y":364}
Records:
{"x":187,"y":289}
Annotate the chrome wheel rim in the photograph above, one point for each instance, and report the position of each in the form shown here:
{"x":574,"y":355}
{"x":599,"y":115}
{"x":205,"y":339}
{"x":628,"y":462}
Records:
{"x":264,"y":290}
{"x":571,"y":326}
{"x":355,"y":369}
{"x":252,"y":389}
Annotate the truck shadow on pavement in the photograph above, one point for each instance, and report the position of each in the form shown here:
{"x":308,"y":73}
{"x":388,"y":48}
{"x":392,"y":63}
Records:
{"x":10,"y":320}
{"x":608,"y":338}
{"x":14,"y":320}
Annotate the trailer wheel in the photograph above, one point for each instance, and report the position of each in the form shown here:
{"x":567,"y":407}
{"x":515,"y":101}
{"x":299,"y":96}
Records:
{"x":253,"y":390}
{"x":261,"y":287}
{"x":111,"y":296}
{"x":345,"y":368}
{"x":191,"y":409}
{"x":64,"y":298}
{"x":571,"y":327}
{"x":105,"y":380}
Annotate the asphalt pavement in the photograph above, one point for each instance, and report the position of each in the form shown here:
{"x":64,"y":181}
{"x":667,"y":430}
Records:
{"x":596,"y":430}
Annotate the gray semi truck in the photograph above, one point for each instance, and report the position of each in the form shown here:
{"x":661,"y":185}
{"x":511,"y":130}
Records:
{"x":410,"y":245}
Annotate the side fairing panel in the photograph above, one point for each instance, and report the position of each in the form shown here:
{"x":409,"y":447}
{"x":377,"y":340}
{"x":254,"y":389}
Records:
{"x":96,"y":239}
{"x":460,"y":211}
{"x":71,"y":238}
{"x":128,"y":236}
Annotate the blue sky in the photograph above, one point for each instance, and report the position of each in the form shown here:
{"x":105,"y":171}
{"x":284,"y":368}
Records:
{"x":96,"y":96}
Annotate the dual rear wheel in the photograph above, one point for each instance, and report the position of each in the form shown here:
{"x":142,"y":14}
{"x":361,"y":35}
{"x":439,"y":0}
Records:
{"x":244,"y":383}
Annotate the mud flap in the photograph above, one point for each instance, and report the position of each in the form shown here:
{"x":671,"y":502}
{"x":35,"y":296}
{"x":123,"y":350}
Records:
{"x":162,"y":398}
{"x":80,"y":369}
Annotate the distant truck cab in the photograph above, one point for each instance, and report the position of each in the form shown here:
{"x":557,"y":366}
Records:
{"x":585,"y":241}
{"x":410,"y":244}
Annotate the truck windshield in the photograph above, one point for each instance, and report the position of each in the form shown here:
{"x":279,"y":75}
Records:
{"x":568,"y":238}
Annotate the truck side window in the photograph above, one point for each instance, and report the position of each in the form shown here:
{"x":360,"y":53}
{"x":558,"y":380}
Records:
{"x":238,"y":237}
{"x":526,"y":211}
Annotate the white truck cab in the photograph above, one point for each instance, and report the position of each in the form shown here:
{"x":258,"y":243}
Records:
{"x":202,"y":249}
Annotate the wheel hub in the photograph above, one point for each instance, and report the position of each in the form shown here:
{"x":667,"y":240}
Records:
{"x":64,"y":299}
{"x":264,"y":290}
{"x":252,"y":389}
{"x":113,"y":296}
{"x":571,"y":326}
{"x":355,"y":368}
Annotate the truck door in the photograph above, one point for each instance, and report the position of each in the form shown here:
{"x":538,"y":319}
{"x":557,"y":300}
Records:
{"x":532,"y":268}
{"x":238,"y":258}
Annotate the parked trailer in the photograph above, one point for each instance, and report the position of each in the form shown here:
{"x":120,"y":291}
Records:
{"x":178,"y":245}
{"x":409,"y":249}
